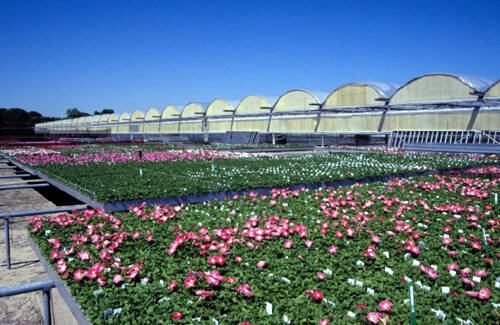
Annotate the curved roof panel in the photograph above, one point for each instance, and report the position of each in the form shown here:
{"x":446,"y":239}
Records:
{"x":113,"y":118}
{"x":253,"y":103}
{"x":219,"y":107}
{"x":192,"y":109}
{"x":438,"y":87}
{"x":104,"y":118}
{"x":493,"y":91}
{"x":152,"y":114}
{"x":137,"y":115}
{"x":170,"y":111}
{"x":299,"y":99}
{"x":359,"y":94}
{"x":124,"y":117}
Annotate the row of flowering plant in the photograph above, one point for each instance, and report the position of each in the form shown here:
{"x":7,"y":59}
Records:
{"x":338,"y":256}
{"x":147,"y":179}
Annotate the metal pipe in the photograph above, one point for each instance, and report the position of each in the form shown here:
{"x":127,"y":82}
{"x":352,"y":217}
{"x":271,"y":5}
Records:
{"x":27,"y":287}
{"x":15,"y":176}
{"x":35,"y":212}
{"x":46,"y":307}
{"x":16,"y":187}
{"x":8,"y":167}
{"x":45,"y":286}
{"x":7,"y":241}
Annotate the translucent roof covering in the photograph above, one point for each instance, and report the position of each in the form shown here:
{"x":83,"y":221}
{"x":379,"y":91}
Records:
{"x":439,"y":87}
{"x":358,"y":94}
{"x":113,"y":118}
{"x":152,"y":114}
{"x":253,"y":104}
{"x":299,"y":99}
{"x":220,"y":107}
{"x":137,"y":115}
{"x":493,"y":91}
{"x":191,"y":109}
{"x":104,"y":118}
{"x":124,"y":117}
{"x":171,"y":111}
{"x":478,"y":83}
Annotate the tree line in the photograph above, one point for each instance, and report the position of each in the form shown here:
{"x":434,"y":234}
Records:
{"x":11,"y":118}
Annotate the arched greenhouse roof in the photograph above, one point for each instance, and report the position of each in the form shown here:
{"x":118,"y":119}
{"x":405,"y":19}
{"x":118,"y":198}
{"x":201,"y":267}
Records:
{"x":137,"y":115}
{"x":360,"y":94}
{"x":151,"y":115}
{"x":439,"y":87}
{"x":299,"y":99}
{"x":193,"y":109}
{"x":253,"y":104}
{"x":221,"y":107}
{"x":170,"y":112}
{"x":124,"y":117}
{"x":104,"y":118}
{"x":113,"y":118}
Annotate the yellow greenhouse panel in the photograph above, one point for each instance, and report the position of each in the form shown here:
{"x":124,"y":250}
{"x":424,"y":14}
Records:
{"x":219,"y":125}
{"x":188,"y":126}
{"x":170,"y":127}
{"x":250,"y":124}
{"x":298,"y":99}
{"x":253,"y":103}
{"x":433,"y":87}
{"x":354,"y":94}
{"x":123,"y":123}
{"x":488,"y":120}
{"x":149,"y":126}
{"x":493,"y":91}
{"x":293,"y":124}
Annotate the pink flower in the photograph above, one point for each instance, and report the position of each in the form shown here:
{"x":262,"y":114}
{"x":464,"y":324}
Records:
{"x":172,"y":285}
{"x":324,"y":321}
{"x":472,"y":293}
{"x":447,"y":241}
{"x":433,"y":274}
{"x":117,"y":278}
{"x":375,"y":239}
{"x":213,"y":278}
{"x":134,"y":270}
{"x":476,"y":245}
{"x":452,"y":267}
{"x":84,"y":255}
{"x":339,"y":234}
{"x":469,"y":282}
{"x":245,"y":289}
{"x":373,"y":317}
{"x":221,"y":260}
{"x":79,"y":274}
{"x":465,"y":272}
{"x":385,"y":305}
{"x":190,"y":281}
{"x":332,"y":249}
{"x":177,"y":315}
{"x":484,"y":293}
{"x":212,"y":260}
{"x":480,"y":273}
{"x":308,"y":243}
{"x":238,"y":259}
{"x":415,"y":250}
{"x":316,"y":294}
{"x":204,"y":293}
{"x":446,"y":228}
{"x":261,"y":264}
{"x":320,"y":275}
{"x":136,"y":235}
{"x":288,"y":244}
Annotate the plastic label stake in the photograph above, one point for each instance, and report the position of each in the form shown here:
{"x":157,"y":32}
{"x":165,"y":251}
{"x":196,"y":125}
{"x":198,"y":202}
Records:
{"x":486,"y":244}
{"x":413,"y":320}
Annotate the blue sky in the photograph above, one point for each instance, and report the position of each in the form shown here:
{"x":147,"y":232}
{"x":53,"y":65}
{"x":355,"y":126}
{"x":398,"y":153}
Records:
{"x":128,"y":55}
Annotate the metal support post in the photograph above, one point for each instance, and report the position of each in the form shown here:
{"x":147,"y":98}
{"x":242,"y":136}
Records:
{"x":46,"y":307}
{"x":7,"y":241}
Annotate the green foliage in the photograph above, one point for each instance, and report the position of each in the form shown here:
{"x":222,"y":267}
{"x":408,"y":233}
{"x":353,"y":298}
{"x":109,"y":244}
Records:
{"x":421,"y":204}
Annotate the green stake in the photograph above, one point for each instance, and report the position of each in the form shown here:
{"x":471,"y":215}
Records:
{"x":413,"y":320}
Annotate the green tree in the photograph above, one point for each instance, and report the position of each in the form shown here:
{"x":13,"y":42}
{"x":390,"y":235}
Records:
{"x":75,"y":113}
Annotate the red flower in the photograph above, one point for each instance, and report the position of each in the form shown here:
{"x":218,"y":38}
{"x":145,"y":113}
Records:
{"x":362,"y":306}
{"x":177,"y":315}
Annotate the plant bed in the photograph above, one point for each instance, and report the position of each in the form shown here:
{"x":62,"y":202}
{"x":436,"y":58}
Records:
{"x":301,"y":256}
